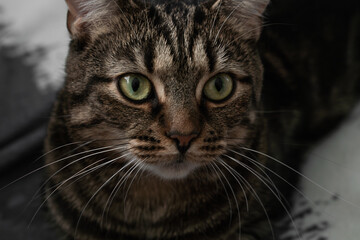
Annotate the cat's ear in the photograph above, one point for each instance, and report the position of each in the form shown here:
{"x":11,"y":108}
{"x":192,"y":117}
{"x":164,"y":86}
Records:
{"x":84,"y":15}
{"x":257,"y":6}
{"x":76,"y":16}
{"x":212,"y":4}
{"x":254,"y":7}
{"x":247,"y":15}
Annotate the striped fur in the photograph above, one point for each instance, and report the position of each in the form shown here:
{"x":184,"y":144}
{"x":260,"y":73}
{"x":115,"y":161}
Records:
{"x":115,"y":171}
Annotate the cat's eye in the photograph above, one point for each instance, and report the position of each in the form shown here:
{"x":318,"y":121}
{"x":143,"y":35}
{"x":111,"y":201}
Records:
{"x":219,"y":87}
{"x":135,"y":87}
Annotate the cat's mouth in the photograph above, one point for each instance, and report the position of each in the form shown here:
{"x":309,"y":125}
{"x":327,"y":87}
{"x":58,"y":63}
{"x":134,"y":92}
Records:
{"x":176,"y":168}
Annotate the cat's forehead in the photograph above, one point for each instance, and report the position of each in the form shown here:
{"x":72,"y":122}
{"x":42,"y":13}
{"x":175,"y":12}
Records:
{"x":179,"y":43}
{"x":174,"y":37}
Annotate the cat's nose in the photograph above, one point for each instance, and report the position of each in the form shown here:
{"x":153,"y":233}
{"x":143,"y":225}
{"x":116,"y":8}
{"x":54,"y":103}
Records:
{"x":183,"y":141}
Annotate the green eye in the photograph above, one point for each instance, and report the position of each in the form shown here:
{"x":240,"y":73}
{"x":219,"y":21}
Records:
{"x":219,"y":87}
{"x":135,"y":87}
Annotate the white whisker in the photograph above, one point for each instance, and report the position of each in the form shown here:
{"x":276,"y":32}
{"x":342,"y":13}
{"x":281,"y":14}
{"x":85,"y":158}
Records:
{"x":113,"y":193}
{"x":73,"y":162}
{"x":302,"y":175}
{"x":235,"y":198}
{"x":226,"y":192}
{"x":97,"y":191}
{"x":72,"y":177}
{"x":254,"y":193}
{"x":62,"y":146}
{"x":228,"y":167}
{"x":139,"y":169}
{"x":269,"y":187}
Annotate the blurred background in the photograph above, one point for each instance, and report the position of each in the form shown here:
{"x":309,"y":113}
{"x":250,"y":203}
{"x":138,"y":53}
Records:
{"x":33,"y":46}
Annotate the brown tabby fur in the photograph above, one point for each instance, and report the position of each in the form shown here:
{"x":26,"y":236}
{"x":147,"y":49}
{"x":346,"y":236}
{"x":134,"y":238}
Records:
{"x":95,"y":132}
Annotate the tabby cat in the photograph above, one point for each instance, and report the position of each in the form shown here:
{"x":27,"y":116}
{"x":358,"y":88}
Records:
{"x":160,"y":131}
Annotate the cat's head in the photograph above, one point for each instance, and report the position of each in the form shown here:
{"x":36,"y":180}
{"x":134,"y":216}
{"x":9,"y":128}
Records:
{"x":174,"y":83}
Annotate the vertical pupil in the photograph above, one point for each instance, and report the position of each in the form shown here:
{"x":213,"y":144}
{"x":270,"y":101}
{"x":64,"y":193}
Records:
{"x":218,"y":84}
{"x":135,"y":84}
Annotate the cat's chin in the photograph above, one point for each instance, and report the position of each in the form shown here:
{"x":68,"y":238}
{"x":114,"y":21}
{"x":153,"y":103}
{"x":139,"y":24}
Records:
{"x":172,"y":170}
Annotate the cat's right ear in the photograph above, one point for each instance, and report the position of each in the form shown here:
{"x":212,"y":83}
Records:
{"x":75,"y":17}
{"x":89,"y":15}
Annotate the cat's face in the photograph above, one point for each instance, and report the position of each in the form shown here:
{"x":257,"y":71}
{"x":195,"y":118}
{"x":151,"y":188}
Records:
{"x":173,"y":84}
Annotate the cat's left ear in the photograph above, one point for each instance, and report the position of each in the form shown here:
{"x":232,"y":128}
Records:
{"x":256,"y":6}
{"x":247,"y":15}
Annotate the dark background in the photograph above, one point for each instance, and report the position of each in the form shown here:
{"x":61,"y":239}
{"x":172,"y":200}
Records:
{"x":25,"y":111}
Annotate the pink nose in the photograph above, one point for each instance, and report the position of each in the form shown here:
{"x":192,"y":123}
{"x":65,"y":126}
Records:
{"x":183,"y":141}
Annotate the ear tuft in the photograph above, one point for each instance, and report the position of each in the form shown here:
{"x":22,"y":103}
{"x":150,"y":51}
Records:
{"x":85,"y":13}
{"x":245,"y":15}
{"x":257,"y":6}
{"x":213,"y":4}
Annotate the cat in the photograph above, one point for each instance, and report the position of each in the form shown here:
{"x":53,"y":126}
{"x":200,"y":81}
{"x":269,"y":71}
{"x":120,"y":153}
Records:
{"x":161,"y":129}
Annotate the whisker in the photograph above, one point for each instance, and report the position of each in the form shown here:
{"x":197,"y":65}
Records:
{"x":83,"y":171}
{"x":115,"y":190}
{"x":251,"y":170}
{"x":49,"y":164}
{"x":281,"y":178}
{"x":253,"y":161}
{"x":226,"y":192}
{"x":64,"y":182}
{"x":235,"y":198}
{"x":78,"y":160}
{"x":302,"y":175}
{"x":227,"y":166}
{"x":139,"y":168}
{"x":97,"y":191}
{"x":253,"y":191}
{"x":62,"y":146}
{"x":73,"y":162}
{"x":120,"y":183}
{"x":261,"y":167}
{"x":78,"y":173}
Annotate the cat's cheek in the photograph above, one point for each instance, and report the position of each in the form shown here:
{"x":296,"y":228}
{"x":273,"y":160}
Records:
{"x":238,"y":136}
{"x":81,"y":115}
{"x":101,"y":134}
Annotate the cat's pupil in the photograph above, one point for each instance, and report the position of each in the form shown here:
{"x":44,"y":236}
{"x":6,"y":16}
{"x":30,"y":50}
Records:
{"x":135,"y":84}
{"x":218,"y":84}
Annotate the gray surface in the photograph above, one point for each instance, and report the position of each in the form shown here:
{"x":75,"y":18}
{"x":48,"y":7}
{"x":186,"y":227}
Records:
{"x":24,"y":109}
{"x":24,"y":115}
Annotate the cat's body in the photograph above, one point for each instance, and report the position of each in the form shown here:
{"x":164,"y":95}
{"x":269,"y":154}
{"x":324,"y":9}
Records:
{"x":183,"y":160}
